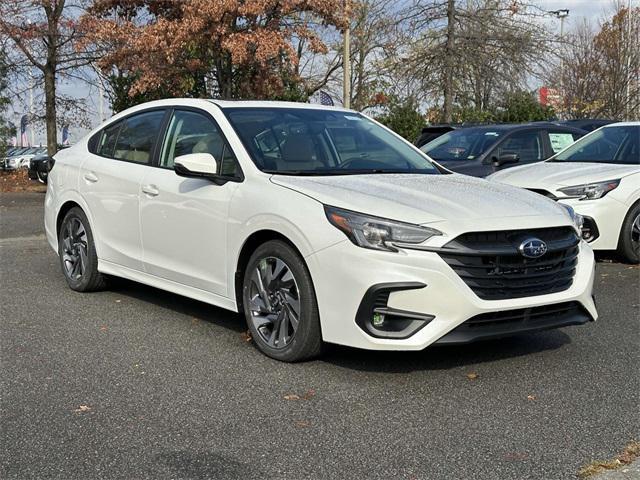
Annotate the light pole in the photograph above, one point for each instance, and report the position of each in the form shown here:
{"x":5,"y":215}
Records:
{"x":561,"y":14}
{"x":346,"y":60}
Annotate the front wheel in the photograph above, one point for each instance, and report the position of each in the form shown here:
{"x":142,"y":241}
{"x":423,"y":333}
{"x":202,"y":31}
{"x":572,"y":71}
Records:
{"x":629,"y":243}
{"x":280,"y":304}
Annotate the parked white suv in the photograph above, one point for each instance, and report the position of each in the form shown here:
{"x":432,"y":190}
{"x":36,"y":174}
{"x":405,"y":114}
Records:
{"x":318,"y":223}
{"x":599,"y":176}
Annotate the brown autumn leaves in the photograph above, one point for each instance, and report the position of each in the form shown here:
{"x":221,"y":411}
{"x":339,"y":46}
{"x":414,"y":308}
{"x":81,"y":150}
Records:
{"x":239,"y":41}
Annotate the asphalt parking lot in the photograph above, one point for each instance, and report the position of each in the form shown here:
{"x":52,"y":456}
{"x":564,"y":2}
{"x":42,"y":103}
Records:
{"x":138,"y":383}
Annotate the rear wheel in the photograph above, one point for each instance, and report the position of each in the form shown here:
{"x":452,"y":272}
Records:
{"x":280,"y":303}
{"x":629,"y":242}
{"x":78,"y":254}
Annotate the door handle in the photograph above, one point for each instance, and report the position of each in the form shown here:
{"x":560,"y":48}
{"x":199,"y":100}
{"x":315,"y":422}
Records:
{"x":151,"y":190}
{"x":90,"y":177}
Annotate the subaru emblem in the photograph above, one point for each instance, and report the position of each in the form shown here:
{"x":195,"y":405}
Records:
{"x":532,"y":248}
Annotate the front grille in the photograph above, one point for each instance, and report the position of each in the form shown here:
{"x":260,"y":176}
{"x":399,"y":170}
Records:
{"x":491,"y":265}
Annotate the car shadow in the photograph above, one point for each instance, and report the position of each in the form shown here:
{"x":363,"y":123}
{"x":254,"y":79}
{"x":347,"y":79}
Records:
{"x":432,"y":358}
{"x":445,"y":357}
{"x":184,"y":305}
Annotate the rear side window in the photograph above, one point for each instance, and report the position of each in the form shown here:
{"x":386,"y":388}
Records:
{"x":561,"y":140}
{"x":137,"y":137}
{"x":107,"y":142}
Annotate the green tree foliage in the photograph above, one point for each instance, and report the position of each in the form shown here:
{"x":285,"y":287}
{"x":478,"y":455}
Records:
{"x":517,"y":107}
{"x":6,"y":131}
{"x":403,"y":117}
{"x":522,"y":106}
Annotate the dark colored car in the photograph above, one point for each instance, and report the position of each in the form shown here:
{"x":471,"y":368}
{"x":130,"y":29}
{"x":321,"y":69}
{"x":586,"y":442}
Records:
{"x":483,"y":150}
{"x":39,"y":167}
{"x":432,"y":132}
{"x":587,"y":124}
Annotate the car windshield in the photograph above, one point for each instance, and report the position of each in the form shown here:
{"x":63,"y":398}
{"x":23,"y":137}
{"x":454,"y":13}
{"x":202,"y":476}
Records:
{"x":463,"y":144}
{"x":306,"y":141}
{"x":619,"y":145}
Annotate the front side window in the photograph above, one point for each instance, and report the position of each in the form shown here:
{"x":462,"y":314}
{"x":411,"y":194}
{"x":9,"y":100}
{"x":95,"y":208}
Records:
{"x":463,"y":144}
{"x":192,"y":132}
{"x":137,"y":137}
{"x":526,"y":144}
{"x":619,"y":145}
{"x":305,"y":141}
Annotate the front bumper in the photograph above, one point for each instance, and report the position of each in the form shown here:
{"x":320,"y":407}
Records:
{"x":607,"y":214}
{"x":343,"y":273}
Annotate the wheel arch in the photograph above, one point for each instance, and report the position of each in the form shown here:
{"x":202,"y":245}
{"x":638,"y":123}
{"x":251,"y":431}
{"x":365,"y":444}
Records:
{"x":624,"y":219}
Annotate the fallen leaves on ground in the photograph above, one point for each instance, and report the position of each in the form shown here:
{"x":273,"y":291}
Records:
{"x":531,"y":397}
{"x":18,"y":181}
{"x":302,"y":424}
{"x":308,"y":395}
{"x":246,"y":336}
{"x":472,"y":375}
{"x":83,"y":409}
{"x":630,"y":453}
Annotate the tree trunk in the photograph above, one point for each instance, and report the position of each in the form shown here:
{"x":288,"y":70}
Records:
{"x":50,"y":107}
{"x":447,"y":114}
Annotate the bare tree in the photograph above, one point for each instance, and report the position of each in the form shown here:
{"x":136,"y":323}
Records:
{"x":44,"y":34}
{"x":467,"y":53}
{"x":599,"y":72}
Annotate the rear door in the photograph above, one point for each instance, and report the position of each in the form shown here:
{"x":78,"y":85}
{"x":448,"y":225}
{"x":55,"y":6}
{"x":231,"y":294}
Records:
{"x":110,"y":182}
{"x":184,"y":220}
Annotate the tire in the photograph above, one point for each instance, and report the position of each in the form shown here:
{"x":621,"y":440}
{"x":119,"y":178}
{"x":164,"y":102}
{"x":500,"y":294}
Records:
{"x":276,"y":290}
{"x":629,"y":242}
{"x":42,"y":177}
{"x":77,"y":253}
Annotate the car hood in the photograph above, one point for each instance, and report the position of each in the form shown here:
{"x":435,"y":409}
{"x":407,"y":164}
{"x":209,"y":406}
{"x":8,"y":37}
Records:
{"x":553,"y":175}
{"x":422,"y":199}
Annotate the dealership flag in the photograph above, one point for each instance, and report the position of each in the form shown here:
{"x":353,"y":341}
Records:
{"x":65,"y":135}
{"x":325,"y":98}
{"x":24,"y":122}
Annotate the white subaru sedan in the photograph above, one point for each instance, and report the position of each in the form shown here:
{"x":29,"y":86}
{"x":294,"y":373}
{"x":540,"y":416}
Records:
{"x":318,"y":224}
{"x":598,"y":176}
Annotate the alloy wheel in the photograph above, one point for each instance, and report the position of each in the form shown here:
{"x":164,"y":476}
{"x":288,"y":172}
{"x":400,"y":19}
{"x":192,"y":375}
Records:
{"x":274,"y":302}
{"x":635,"y":234}
{"x":74,"y":249}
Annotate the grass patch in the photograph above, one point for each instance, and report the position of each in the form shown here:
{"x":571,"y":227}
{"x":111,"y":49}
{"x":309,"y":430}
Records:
{"x":630,"y":453}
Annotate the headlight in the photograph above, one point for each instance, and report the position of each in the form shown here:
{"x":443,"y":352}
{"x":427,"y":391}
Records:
{"x":590,"y":191}
{"x":577,"y":219}
{"x":375,"y":232}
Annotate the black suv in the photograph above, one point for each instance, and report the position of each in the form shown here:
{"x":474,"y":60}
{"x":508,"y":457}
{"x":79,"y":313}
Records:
{"x":482,"y":150}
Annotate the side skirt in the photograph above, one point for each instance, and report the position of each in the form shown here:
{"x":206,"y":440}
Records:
{"x":168,"y":285}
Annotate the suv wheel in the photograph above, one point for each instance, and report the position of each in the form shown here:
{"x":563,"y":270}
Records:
{"x":629,"y":243}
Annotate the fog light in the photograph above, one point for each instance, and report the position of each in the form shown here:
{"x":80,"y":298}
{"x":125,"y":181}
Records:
{"x":378,"y":320}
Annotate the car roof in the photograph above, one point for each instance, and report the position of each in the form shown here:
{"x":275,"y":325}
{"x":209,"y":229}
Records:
{"x":622,"y":124}
{"x":520,"y":126}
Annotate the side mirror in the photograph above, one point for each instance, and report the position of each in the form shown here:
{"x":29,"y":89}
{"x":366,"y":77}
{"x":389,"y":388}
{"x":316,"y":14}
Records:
{"x":505,"y":159}
{"x":199,"y":165}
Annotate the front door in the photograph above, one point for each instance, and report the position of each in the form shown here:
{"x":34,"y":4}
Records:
{"x":184,"y":220}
